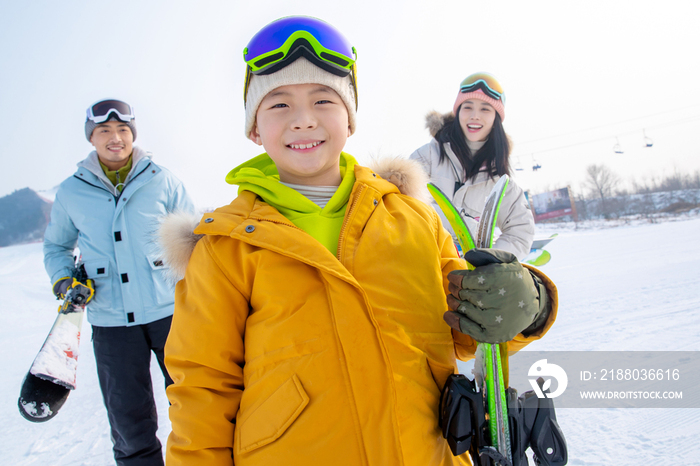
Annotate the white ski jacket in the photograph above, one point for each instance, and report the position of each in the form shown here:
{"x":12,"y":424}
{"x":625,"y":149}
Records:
{"x":515,"y":218}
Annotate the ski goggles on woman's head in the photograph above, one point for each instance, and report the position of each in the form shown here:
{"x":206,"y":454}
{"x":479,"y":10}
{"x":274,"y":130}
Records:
{"x":283,"y":41}
{"x":484,"y":81}
{"x":99,"y":112}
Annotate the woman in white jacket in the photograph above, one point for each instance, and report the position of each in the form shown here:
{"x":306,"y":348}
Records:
{"x":468,"y":154}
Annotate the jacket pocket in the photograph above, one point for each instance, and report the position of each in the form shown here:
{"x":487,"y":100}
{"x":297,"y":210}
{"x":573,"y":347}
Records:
{"x":98,"y":270}
{"x":440,"y":372}
{"x":267,"y":422}
{"x":163,"y":291}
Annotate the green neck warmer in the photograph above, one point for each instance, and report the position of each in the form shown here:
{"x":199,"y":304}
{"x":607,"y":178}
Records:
{"x":259,"y":175}
{"x":117,"y":177}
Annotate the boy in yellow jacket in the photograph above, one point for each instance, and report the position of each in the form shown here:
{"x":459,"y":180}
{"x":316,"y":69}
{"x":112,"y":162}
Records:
{"x":309,"y":328}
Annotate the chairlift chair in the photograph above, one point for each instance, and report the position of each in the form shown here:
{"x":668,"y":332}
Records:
{"x":617,"y":148}
{"x":518,"y":166}
{"x":647,"y":140}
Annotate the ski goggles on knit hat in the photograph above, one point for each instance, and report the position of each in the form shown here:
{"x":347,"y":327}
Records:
{"x":99,"y":112}
{"x":485,"y":87}
{"x":484,"y":81}
{"x":283,"y":41}
{"x":105,"y":110}
{"x":298,"y":50}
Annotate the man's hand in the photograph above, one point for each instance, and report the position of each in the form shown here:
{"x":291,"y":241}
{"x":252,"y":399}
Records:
{"x":61,"y":287}
{"x":497,"y":300}
{"x":84,"y":292}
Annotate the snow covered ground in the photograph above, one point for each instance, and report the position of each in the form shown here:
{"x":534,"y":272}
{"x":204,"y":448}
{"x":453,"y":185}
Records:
{"x":632,"y":286}
{"x":79,"y":434}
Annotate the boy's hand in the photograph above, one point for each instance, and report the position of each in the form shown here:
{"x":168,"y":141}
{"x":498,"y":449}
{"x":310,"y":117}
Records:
{"x":497,"y":300}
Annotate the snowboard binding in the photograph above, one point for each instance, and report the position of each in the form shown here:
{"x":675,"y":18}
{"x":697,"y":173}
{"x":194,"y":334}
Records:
{"x":462,"y":417}
{"x":80,"y":292}
{"x":533,"y":424}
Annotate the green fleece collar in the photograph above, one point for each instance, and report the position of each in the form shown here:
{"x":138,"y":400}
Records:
{"x":260,"y":176}
{"x":117,"y":177}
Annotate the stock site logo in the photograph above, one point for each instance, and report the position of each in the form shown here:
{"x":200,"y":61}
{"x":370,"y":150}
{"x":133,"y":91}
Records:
{"x":548,"y":372}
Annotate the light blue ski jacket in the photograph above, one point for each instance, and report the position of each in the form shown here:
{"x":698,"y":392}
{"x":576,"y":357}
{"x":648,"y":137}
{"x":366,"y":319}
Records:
{"x":115,"y":235}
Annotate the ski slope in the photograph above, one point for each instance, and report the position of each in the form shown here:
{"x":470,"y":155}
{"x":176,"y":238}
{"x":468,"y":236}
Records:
{"x":632,"y":286}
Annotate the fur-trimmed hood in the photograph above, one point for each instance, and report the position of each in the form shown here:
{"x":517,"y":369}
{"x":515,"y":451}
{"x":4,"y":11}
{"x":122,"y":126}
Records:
{"x":176,"y":237}
{"x":434,"y":121}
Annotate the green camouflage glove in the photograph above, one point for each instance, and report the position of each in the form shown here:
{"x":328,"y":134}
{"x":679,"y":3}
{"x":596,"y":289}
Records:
{"x":497,"y":300}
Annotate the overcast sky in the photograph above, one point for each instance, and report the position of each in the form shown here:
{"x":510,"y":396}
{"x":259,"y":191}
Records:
{"x":579,"y":78}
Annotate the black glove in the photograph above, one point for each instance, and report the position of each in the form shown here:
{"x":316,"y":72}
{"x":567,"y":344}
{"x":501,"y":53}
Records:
{"x":61,"y":287}
{"x":497,"y":300}
{"x":84,"y":291}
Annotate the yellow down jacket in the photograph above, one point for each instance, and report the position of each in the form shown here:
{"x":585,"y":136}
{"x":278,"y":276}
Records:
{"x":282,"y":354}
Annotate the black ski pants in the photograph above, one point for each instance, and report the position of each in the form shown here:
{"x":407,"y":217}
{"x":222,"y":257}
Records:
{"x":123,"y":356}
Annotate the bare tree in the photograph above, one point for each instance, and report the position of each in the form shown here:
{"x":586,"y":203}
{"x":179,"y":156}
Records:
{"x":601,"y":183}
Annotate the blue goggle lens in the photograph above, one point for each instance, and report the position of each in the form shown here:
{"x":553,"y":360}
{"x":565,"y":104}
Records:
{"x":274,"y":35}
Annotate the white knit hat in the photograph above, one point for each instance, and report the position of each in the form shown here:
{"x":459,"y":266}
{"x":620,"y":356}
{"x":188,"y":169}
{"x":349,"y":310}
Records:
{"x":300,"y":71}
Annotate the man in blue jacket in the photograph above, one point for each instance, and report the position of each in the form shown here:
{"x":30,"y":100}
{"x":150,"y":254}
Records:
{"x":110,"y":209}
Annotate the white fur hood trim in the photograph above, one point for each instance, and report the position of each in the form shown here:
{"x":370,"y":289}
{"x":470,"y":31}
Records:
{"x":176,"y":238}
{"x":176,"y":241}
{"x":408,"y":175}
{"x":434,"y":121}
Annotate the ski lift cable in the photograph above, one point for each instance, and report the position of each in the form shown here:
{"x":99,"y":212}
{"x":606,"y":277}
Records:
{"x":670,"y":123}
{"x":603,"y":138}
{"x":608,"y":125}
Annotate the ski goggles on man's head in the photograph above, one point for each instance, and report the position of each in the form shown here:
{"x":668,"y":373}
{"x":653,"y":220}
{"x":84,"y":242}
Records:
{"x":99,"y":112}
{"x":283,"y":41}
{"x":484,"y":81}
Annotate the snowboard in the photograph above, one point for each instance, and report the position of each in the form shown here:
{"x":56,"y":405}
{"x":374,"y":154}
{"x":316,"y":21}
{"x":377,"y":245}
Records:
{"x":488,"y":367}
{"x":489,"y":358}
{"x":542,"y":242}
{"x":464,"y":235}
{"x":538,"y":255}
{"x":52,"y":374}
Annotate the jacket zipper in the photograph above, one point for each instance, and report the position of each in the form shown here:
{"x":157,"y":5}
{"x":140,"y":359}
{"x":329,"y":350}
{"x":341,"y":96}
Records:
{"x":132,"y":179}
{"x":119,"y":181}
